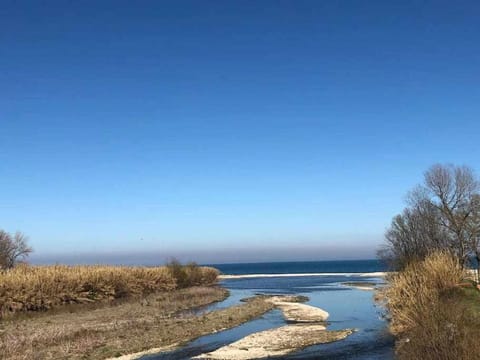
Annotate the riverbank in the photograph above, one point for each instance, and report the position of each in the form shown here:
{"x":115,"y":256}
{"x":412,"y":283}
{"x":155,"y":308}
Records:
{"x":156,"y":323}
{"x":306,"y":326}
{"x":112,"y":330}
{"x":166,"y":324}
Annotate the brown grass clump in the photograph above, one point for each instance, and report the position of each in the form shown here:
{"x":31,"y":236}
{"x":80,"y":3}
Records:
{"x":39,"y":288}
{"x":415,"y":290}
{"x":429,"y":314}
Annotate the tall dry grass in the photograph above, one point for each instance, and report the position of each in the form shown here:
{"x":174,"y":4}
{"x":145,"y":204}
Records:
{"x":428,"y":313}
{"x":38,"y":288}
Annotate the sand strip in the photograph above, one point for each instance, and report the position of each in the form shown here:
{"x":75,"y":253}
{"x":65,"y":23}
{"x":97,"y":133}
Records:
{"x":296,"y":312}
{"x":276,"y":342}
{"x":362,"y":285}
{"x":248,"y":276}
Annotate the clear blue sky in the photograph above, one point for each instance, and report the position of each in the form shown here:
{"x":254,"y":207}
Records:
{"x":220,"y":130}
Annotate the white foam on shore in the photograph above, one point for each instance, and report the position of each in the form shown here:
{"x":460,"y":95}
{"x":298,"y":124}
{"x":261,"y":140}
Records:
{"x":248,"y":276}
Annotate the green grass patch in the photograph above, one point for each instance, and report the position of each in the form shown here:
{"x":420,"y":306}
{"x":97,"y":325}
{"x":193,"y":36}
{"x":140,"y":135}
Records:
{"x":471,"y":297}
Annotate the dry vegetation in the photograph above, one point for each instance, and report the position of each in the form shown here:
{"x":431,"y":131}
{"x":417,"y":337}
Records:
{"x":133,"y":326}
{"x":430,"y":312}
{"x":39,"y":288}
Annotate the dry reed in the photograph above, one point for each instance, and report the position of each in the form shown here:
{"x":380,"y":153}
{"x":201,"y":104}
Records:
{"x":38,"y":288}
{"x":428,"y":311}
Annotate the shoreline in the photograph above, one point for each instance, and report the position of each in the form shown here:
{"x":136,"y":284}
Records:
{"x":141,"y":324}
{"x":252,"y":276}
{"x":155,"y":323}
{"x":306,"y":326}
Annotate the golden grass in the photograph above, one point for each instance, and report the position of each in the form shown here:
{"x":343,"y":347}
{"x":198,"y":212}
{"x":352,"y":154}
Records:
{"x":428,"y":310}
{"x":415,"y":290}
{"x":39,"y":288}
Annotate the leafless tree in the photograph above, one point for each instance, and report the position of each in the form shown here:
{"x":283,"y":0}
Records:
{"x":453,"y":190}
{"x":442,"y":213}
{"x":412,"y":236}
{"x":13,"y":249}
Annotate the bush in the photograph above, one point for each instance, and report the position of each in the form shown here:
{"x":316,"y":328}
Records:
{"x":428,"y":313}
{"x":415,"y":290}
{"x":191,"y":274}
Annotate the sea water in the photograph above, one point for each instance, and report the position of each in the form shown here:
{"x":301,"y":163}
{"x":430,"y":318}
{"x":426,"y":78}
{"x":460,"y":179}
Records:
{"x":298,"y":267}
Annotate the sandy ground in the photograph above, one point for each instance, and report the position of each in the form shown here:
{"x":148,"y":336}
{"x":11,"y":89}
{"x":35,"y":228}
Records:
{"x":296,"y":312}
{"x":146,"y":352}
{"x":276,"y":342}
{"x":247,"y":276}
{"x":367,"y":286}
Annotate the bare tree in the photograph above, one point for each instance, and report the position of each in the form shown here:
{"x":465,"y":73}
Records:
{"x":412,"y":236}
{"x":452,"y":190}
{"x":13,"y":249}
{"x":442,"y":213}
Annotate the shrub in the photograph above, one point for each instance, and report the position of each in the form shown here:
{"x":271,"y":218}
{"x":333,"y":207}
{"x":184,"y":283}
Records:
{"x":191,"y":274}
{"x":428,"y":314}
{"x":209,"y":275}
{"x":178,"y":273}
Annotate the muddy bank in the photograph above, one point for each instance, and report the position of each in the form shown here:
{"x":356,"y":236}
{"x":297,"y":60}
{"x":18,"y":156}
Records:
{"x":130,"y":328}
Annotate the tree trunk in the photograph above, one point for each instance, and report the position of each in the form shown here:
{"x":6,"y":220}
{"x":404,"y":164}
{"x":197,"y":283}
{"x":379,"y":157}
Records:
{"x":477,"y":258}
